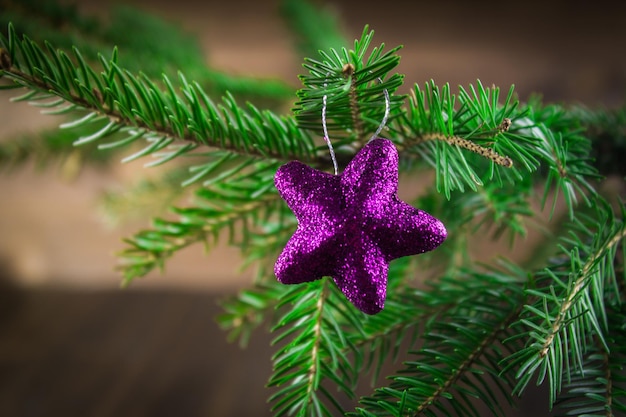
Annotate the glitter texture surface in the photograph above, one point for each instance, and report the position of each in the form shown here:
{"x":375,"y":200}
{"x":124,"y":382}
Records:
{"x":350,"y":226}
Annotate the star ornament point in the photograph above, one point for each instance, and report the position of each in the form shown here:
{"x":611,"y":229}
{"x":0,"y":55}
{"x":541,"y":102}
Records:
{"x":350,"y":226}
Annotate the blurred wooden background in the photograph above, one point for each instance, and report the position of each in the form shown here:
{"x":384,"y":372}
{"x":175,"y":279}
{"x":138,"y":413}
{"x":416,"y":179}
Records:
{"x":71,"y":343}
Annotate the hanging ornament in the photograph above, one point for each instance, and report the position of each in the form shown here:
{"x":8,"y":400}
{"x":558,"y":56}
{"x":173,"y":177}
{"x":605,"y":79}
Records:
{"x":350,"y":226}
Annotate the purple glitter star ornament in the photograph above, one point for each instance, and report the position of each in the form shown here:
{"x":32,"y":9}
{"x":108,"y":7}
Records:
{"x":350,"y":226}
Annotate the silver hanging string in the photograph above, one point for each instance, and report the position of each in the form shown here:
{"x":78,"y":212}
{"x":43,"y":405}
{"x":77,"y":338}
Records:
{"x":374,"y":136}
{"x":385,"y":117}
{"x":326,"y":138}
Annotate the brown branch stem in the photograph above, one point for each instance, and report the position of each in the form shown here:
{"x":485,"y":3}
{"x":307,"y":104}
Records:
{"x":488,"y":153}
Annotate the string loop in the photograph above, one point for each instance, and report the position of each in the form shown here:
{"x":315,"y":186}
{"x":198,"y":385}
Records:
{"x":385,"y":117}
{"x":374,"y":136}
{"x":326,"y":138}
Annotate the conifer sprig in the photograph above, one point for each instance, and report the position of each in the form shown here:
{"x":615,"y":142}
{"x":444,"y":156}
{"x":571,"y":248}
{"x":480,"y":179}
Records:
{"x":571,"y":299}
{"x":312,"y":351}
{"x":440,"y":125}
{"x":138,"y":108}
{"x":355,"y":97}
{"x":468,"y":316}
{"x":238,"y":206}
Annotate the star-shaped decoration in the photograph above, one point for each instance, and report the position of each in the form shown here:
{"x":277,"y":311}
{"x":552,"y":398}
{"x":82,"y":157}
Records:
{"x":350,"y":226}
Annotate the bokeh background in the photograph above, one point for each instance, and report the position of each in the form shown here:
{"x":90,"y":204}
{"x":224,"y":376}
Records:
{"x":73,"y":343}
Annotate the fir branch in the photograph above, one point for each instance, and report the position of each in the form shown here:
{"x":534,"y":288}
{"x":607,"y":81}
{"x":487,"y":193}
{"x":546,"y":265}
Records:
{"x":578,"y":286}
{"x":460,"y":351}
{"x":364,"y":336}
{"x":312,"y":351}
{"x":568,"y":308}
{"x":436,"y":129}
{"x":242,"y":200}
{"x":136,"y":106}
{"x":349,"y":79}
{"x":465,"y":366}
{"x":148,"y":249}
